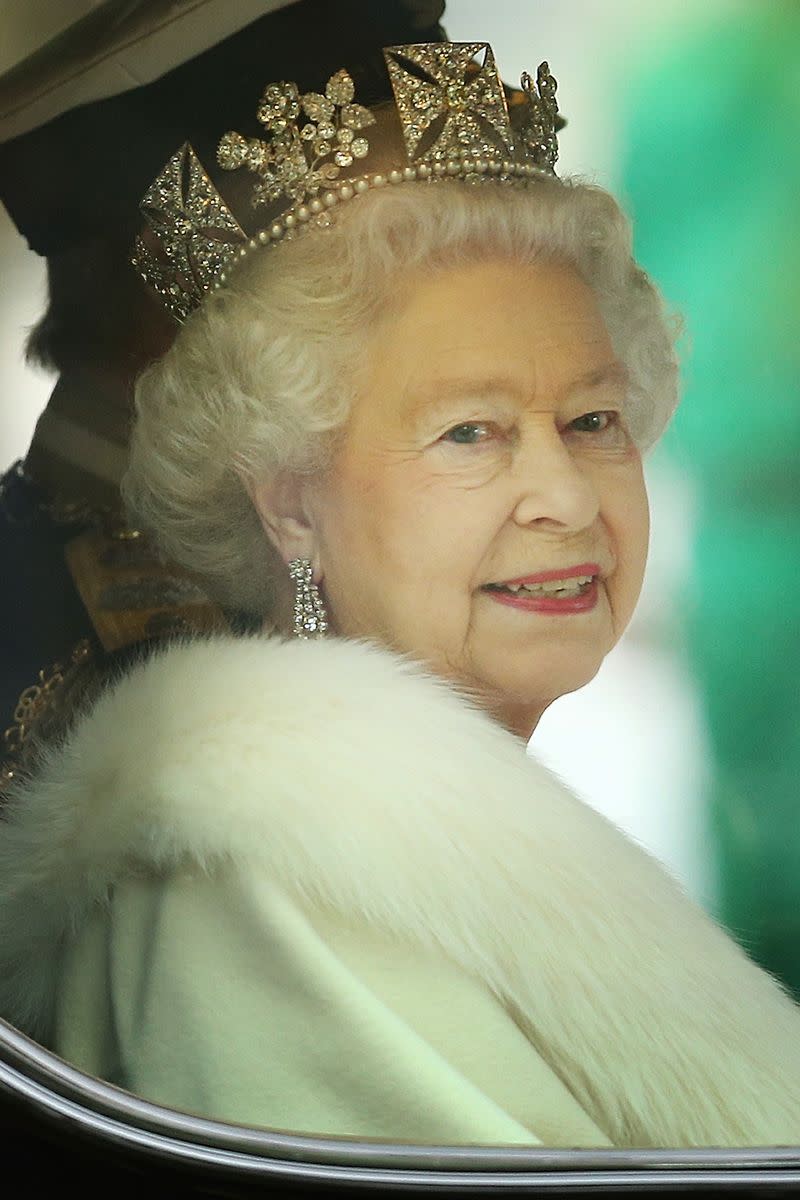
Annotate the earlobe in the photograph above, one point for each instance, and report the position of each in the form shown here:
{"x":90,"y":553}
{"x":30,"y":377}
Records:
{"x":279,"y":504}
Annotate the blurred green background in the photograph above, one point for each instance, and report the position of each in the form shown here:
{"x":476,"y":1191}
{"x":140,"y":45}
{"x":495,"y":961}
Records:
{"x":711,"y":174}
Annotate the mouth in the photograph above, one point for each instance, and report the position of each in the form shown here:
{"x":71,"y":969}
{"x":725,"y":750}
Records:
{"x":557,"y":584}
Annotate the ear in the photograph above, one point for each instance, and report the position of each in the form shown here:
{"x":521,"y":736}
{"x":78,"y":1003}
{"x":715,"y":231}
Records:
{"x":281,"y":506}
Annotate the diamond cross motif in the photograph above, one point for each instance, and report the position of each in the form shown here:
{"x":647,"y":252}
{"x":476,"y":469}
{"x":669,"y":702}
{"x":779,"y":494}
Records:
{"x":455,"y":122}
{"x":449,"y":106}
{"x":197,"y":232}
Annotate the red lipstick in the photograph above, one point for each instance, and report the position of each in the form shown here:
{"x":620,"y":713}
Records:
{"x":529,"y":602}
{"x":567,"y":573}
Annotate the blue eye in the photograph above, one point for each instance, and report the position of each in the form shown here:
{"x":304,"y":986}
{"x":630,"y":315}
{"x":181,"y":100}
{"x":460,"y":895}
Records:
{"x":467,"y":434}
{"x":607,"y":420}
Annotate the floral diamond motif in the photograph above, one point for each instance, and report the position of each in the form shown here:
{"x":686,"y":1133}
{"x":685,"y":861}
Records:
{"x":451,"y":104}
{"x":304,"y":131}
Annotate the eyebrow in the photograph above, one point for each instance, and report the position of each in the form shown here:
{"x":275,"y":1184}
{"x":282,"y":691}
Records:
{"x":615,"y":372}
{"x":443,"y":393}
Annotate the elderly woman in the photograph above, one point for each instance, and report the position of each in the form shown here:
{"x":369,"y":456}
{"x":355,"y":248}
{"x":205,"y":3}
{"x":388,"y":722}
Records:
{"x":314,"y":882}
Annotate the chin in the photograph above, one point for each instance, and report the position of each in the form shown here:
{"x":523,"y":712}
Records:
{"x":539,"y":687}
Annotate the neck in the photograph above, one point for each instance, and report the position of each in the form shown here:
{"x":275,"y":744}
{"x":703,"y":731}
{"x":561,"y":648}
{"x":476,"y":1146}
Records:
{"x":521,"y":720}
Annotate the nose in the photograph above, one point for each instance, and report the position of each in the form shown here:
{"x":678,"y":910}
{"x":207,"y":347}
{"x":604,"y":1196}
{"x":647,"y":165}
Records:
{"x":555,"y":489}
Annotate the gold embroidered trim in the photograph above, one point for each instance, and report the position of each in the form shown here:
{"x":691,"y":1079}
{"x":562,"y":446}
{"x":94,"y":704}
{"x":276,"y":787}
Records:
{"x":36,"y":700}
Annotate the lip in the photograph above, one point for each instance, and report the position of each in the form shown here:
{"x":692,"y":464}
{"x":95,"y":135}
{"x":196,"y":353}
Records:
{"x":565,"y":573}
{"x":549,"y":604}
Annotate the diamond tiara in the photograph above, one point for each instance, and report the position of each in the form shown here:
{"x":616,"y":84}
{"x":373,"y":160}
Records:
{"x":450,"y":120}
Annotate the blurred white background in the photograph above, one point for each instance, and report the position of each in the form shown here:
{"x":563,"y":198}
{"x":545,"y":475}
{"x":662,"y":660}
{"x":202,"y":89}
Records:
{"x":632,"y":742}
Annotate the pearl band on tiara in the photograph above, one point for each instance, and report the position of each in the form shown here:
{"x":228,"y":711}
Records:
{"x":454,"y":119}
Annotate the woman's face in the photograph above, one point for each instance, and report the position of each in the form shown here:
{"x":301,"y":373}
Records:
{"x":487,"y":444}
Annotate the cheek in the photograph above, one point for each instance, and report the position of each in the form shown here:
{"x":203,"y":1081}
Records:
{"x":430,"y":525}
{"x":640,"y":505}
{"x":632,"y":535}
{"x":374,"y":544}
{"x":452,"y":533}
{"x":409,"y":530}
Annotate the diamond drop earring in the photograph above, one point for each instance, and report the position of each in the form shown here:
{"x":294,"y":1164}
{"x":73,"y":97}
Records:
{"x":310,"y":617}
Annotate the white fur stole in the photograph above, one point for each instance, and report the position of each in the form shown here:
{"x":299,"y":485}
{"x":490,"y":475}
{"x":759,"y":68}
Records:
{"x":363,"y":785}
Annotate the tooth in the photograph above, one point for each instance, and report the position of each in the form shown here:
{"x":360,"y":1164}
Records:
{"x":558,"y":585}
{"x":549,"y":585}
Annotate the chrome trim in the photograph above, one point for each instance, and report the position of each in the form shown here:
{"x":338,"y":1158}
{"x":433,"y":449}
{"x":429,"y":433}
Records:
{"x":116,"y":1119}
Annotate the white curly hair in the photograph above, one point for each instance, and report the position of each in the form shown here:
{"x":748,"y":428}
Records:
{"x":260,"y":378}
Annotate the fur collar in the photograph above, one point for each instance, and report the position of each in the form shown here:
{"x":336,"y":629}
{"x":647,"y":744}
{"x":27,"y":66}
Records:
{"x":364,"y":785}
